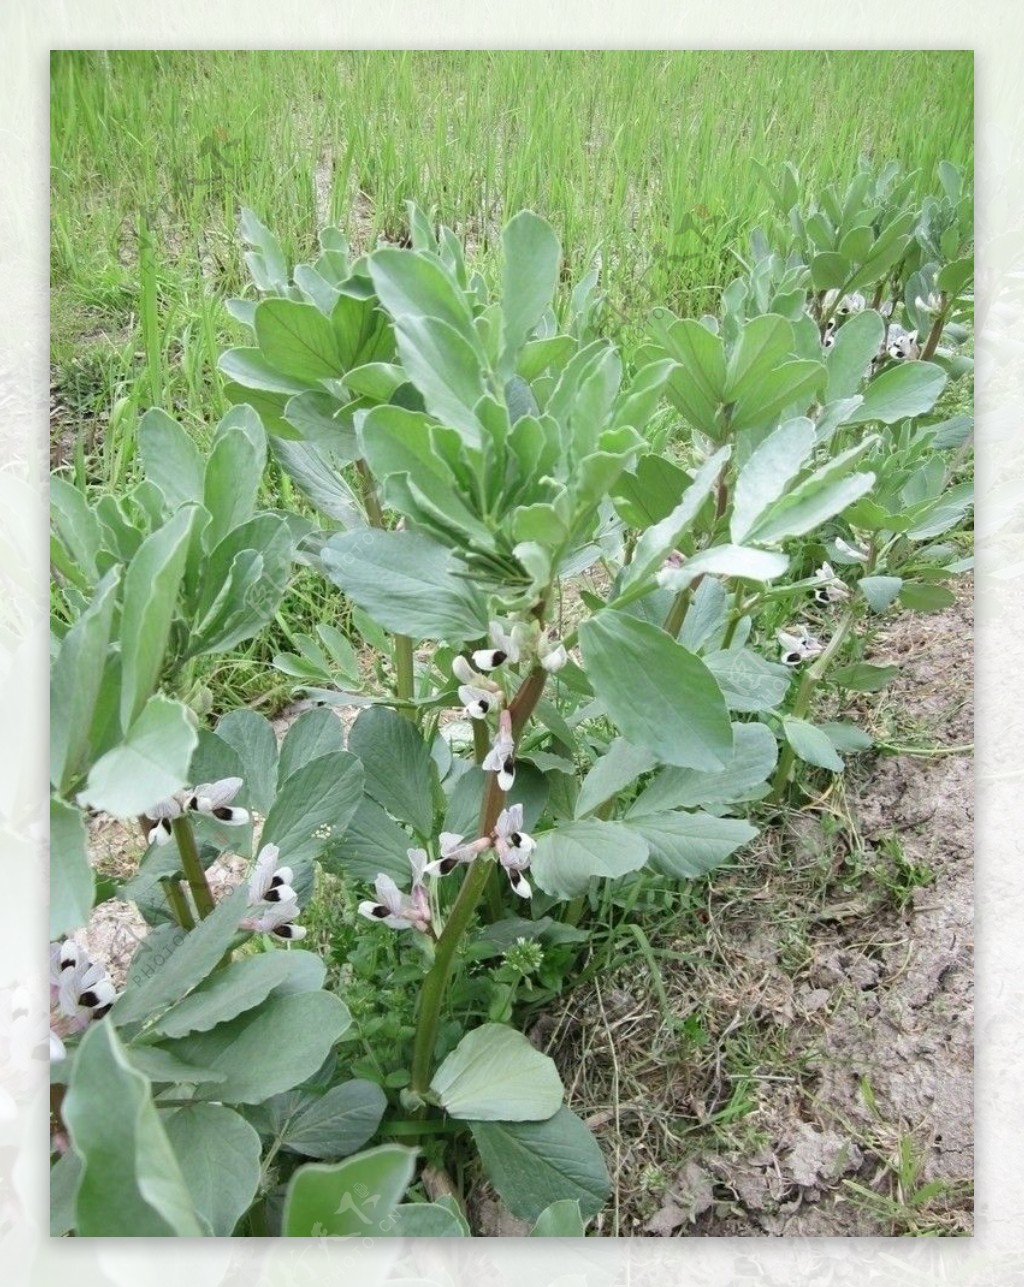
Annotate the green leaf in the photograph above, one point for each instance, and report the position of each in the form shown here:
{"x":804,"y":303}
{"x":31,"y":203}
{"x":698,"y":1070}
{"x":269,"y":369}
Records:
{"x":696,"y":388}
{"x":243,"y":582}
{"x":528,"y":280}
{"x":907,"y":389}
{"x":797,"y":382}
{"x":763,"y":343}
{"x":754,"y":754}
{"x":568,"y":857}
{"x":76,"y":677}
{"x":150,"y":764}
{"x":533,"y":1164}
{"x":72,"y":886}
{"x":372,"y":843}
{"x":662,"y":697}
{"x":811,"y":744}
{"x":770,"y":468}
{"x":619,"y":766}
{"x":242,"y":985}
{"x":686,"y":845}
{"x":314,"y":733}
{"x":65,"y":1177}
{"x":829,"y":270}
{"x":234,"y":471}
{"x":76,"y":524}
{"x":495,"y":1074}
{"x":426,"y":1220}
{"x":313,"y":471}
{"x":131,"y":1183}
{"x":266,"y":1050}
{"x":161,"y":1066}
{"x":954,"y":277}
{"x":847,"y":737}
{"x":314,"y":805}
{"x":298,"y":340}
{"x":406,"y":582}
{"x":947,"y":512}
{"x":749,"y":682}
{"x":361,"y":332}
{"x":195,"y":955}
{"x":250,"y":369}
{"x":170,"y":458}
{"x":847,"y":361}
{"x":650,"y":492}
{"x":809,"y":505}
{"x":861,"y":677}
{"x":219,"y":1155}
{"x":561,"y":1219}
{"x":354,"y":1198}
{"x":321,"y":421}
{"x":397,"y":766}
{"x":659,"y":540}
{"x":252,"y":737}
{"x":921,"y":597}
{"x":880,"y":591}
{"x":150,"y":598}
{"x":337,"y":1123}
{"x":741,"y":561}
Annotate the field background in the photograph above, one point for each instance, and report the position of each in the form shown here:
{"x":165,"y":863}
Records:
{"x":782,"y":1049}
{"x":651,"y":156}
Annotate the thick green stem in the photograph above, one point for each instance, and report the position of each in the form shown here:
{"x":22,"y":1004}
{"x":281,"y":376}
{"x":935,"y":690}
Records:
{"x":192,"y":867}
{"x":466,"y":900}
{"x":178,"y":903}
{"x":811,"y":678}
{"x":404,"y":677}
{"x":677,"y":613}
{"x":374,"y":513}
{"x":935,"y":334}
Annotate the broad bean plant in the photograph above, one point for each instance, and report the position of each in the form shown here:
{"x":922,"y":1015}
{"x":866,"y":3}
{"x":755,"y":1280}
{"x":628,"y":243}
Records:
{"x":599,"y":594}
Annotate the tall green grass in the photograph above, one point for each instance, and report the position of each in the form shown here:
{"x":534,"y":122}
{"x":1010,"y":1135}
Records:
{"x":649,"y":157}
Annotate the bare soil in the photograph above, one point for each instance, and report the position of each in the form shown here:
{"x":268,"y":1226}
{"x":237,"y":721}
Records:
{"x":819,"y":1080}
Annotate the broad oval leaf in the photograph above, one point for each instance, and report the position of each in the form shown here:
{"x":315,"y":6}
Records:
{"x":337,"y":1123}
{"x":151,"y":763}
{"x":529,"y":278}
{"x":769,"y":469}
{"x":219,"y":1155}
{"x":533,"y":1164}
{"x":194,"y":955}
{"x":661,"y":696}
{"x":297,"y":339}
{"x":811,"y":744}
{"x":561,"y":1219}
{"x":754,"y":755}
{"x":314,"y":806}
{"x":567,"y":858}
{"x":354,"y":1198}
{"x":267,"y":1050}
{"x":907,"y":389}
{"x":406,"y":582}
{"x":397,"y":767}
{"x":240,"y":986}
{"x":495,"y":1074}
{"x":686,"y":845}
{"x":131,"y":1184}
{"x":72,"y":885}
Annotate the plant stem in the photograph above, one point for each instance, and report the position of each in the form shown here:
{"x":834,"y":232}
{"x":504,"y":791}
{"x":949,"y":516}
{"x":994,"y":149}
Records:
{"x":192,"y":867}
{"x":404,"y":674}
{"x":469,"y":895}
{"x":677,"y":613}
{"x":481,"y":743}
{"x":178,"y":903}
{"x":935,"y":334}
{"x":374,"y":513}
{"x":811,"y":678}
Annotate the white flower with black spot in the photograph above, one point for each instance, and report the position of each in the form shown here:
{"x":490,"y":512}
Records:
{"x":398,"y":910}
{"x":514,"y":848}
{"x":501,"y":757}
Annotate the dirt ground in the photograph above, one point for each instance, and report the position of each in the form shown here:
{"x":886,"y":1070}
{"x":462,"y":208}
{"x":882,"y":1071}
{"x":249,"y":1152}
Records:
{"x":820,"y":1079}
